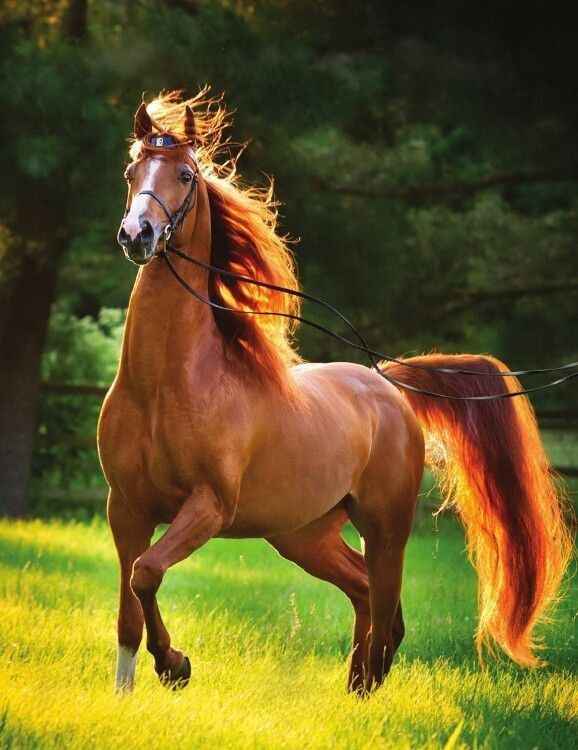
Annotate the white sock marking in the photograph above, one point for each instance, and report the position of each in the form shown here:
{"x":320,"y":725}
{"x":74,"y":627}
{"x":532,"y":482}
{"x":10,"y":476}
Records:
{"x":125,"y":667}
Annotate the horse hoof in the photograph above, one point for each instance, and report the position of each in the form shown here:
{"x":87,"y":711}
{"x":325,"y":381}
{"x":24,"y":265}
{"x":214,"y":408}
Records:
{"x":178,"y":679}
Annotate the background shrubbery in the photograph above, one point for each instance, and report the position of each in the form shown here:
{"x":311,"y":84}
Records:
{"x":65,"y":462}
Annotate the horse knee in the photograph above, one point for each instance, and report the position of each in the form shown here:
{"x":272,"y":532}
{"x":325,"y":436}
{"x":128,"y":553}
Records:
{"x":146,"y":577}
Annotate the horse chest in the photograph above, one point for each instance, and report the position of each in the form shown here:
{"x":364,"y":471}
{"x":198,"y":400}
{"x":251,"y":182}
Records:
{"x":150,"y":455}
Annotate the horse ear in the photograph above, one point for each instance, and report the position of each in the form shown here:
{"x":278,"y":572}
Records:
{"x":142,"y":122}
{"x":190,"y":129}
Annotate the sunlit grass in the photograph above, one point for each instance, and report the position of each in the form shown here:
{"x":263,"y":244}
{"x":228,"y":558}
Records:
{"x":268,"y":645}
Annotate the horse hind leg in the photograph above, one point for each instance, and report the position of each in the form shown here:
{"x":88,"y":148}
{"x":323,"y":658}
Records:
{"x":384,"y":522}
{"x":384,"y":565}
{"x":321,"y":551}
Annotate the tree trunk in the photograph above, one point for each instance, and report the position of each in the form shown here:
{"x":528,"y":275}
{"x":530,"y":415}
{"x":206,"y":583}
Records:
{"x":22,"y":334}
{"x":75,"y":26}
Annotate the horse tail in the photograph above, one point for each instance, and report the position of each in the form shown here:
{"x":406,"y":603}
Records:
{"x":491,"y":464}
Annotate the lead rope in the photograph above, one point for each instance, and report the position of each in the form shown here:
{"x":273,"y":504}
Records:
{"x":363,"y":346}
{"x":177,"y":217}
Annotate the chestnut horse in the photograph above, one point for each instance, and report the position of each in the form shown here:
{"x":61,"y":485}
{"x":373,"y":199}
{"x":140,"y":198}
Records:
{"x":215,"y":427}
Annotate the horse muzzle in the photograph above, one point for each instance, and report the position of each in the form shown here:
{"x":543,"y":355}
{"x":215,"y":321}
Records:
{"x":141,"y":247}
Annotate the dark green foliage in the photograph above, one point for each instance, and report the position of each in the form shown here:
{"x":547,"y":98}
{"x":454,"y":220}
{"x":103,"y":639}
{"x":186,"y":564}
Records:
{"x":65,"y":465}
{"x":380,"y":122}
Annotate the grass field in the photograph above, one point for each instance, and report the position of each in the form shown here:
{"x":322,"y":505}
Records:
{"x":269,"y":647}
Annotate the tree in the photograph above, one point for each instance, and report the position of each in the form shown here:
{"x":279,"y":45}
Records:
{"x":57,"y":121}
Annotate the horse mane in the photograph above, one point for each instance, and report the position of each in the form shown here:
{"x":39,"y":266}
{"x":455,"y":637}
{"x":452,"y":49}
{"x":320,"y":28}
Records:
{"x":245,"y":240}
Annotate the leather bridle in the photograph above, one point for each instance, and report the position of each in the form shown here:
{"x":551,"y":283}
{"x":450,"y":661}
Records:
{"x":177,"y":217}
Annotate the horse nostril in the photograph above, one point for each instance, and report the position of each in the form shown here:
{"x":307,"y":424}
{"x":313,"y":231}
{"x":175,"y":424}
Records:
{"x":147,"y":232}
{"x":123,"y":237}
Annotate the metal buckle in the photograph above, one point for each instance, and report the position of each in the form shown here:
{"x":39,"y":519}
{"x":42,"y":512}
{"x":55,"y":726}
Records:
{"x":167,"y":232}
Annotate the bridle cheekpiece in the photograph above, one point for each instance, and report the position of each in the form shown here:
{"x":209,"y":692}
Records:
{"x":175,"y":218}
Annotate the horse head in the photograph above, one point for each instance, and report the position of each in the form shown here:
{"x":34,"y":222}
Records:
{"x":162,"y":181}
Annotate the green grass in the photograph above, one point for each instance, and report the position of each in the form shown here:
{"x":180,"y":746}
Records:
{"x":269,"y":647}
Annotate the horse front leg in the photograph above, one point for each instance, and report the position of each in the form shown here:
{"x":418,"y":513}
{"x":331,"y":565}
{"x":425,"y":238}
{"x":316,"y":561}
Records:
{"x":132,"y":537}
{"x":198,"y":520}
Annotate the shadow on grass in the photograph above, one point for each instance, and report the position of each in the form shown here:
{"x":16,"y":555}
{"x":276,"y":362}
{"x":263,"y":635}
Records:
{"x":537,"y":727}
{"x":249,"y":584}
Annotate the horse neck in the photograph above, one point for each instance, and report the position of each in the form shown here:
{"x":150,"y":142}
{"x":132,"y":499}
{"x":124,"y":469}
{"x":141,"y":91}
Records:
{"x":168,"y":332}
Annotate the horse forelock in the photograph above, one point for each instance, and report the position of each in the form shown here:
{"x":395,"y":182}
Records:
{"x":167,"y":112}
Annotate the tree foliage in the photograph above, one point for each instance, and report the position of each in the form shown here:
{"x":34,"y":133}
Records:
{"x":423,"y":154}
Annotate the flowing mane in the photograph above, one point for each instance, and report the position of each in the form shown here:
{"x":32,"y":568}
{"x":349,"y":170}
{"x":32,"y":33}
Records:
{"x":244,"y":240}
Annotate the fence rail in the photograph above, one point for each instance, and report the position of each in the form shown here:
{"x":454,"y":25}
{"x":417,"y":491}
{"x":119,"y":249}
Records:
{"x":74,"y":389}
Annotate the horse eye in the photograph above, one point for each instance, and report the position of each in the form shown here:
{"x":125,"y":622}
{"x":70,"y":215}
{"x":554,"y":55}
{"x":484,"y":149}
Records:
{"x":186,"y":177}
